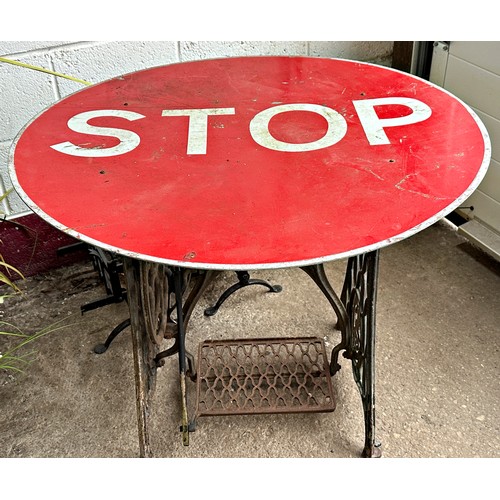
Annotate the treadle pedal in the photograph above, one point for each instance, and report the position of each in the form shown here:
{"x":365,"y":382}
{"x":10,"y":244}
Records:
{"x":270,"y":375}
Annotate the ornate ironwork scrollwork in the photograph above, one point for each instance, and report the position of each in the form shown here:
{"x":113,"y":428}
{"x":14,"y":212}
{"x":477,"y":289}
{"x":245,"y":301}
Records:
{"x":359,"y":298}
{"x":154,"y":286}
{"x":318,"y":275}
{"x":355,"y":312}
{"x":160,"y":307}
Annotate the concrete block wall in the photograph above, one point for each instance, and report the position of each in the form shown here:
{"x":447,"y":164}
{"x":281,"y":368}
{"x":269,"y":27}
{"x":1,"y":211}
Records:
{"x":25,"y":92}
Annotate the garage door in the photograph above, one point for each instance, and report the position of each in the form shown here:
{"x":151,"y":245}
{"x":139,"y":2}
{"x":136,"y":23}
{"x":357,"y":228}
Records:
{"x":471,"y":71}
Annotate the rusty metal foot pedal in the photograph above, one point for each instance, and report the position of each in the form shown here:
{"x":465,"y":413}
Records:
{"x":256,"y":376}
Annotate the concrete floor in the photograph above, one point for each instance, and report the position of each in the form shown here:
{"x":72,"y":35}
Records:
{"x":437,"y":386}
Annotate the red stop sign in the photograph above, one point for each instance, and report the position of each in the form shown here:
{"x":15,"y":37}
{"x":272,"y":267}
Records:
{"x":251,"y":162}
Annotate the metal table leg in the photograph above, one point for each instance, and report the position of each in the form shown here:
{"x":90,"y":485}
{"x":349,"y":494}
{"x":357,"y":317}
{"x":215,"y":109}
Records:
{"x":150,"y":287}
{"x":144,"y":350}
{"x":243,"y":281}
{"x":359,"y":295}
{"x":161,"y":300}
{"x":355,"y":312}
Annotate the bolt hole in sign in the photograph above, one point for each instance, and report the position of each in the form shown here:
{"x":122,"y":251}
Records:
{"x":250,"y":162}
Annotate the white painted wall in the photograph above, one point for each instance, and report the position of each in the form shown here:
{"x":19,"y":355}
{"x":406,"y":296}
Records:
{"x":25,"y":92}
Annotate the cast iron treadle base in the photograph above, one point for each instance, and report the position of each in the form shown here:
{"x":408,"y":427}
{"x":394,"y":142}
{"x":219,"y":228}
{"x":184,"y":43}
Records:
{"x":254,"y":376}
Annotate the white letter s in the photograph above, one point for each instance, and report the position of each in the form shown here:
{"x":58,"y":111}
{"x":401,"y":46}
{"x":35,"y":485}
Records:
{"x":128,"y":140}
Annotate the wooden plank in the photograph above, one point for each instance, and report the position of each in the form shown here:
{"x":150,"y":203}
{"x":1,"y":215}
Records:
{"x":401,"y":55}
